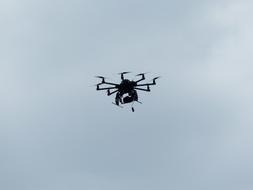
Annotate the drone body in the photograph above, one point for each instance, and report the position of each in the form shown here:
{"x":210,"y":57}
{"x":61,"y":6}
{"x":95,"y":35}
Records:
{"x":126,"y":91}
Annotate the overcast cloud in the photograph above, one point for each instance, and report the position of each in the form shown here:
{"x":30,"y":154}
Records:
{"x":193,"y":131}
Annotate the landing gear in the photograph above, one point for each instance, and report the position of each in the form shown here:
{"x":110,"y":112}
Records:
{"x":117,"y":99}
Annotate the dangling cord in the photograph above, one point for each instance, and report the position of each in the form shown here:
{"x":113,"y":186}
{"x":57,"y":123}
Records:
{"x":132,"y":106}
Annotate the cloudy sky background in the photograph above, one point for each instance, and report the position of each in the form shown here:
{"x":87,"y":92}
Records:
{"x":193,"y":131}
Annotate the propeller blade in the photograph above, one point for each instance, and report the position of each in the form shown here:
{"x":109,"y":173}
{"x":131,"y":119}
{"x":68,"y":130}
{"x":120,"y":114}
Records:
{"x":101,"y":77}
{"x":124,"y":72}
{"x":156,"y":78}
{"x":141,"y":74}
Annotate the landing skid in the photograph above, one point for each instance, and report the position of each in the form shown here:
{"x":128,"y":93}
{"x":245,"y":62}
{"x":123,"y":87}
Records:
{"x":117,"y":105}
{"x":132,"y":108}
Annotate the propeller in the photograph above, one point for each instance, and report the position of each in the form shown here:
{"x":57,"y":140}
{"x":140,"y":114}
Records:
{"x":156,"y":78}
{"x":101,"y":77}
{"x":141,"y":74}
{"x":126,"y":72}
{"x":122,"y":74}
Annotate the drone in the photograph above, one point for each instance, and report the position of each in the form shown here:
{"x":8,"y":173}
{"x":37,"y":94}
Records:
{"x":126,"y":91}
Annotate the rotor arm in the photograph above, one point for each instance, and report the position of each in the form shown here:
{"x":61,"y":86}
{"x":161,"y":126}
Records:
{"x":105,"y":88}
{"x":109,"y":83}
{"x":143,"y":89}
{"x":104,"y":82}
{"x":148,"y":84}
{"x":142,"y":77}
{"x":109,"y":93}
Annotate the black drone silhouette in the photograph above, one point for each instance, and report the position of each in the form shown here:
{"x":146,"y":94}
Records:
{"x":126,"y":90}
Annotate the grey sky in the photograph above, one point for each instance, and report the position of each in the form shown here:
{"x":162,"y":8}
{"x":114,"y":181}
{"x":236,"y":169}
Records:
{"x":193,"y":131}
